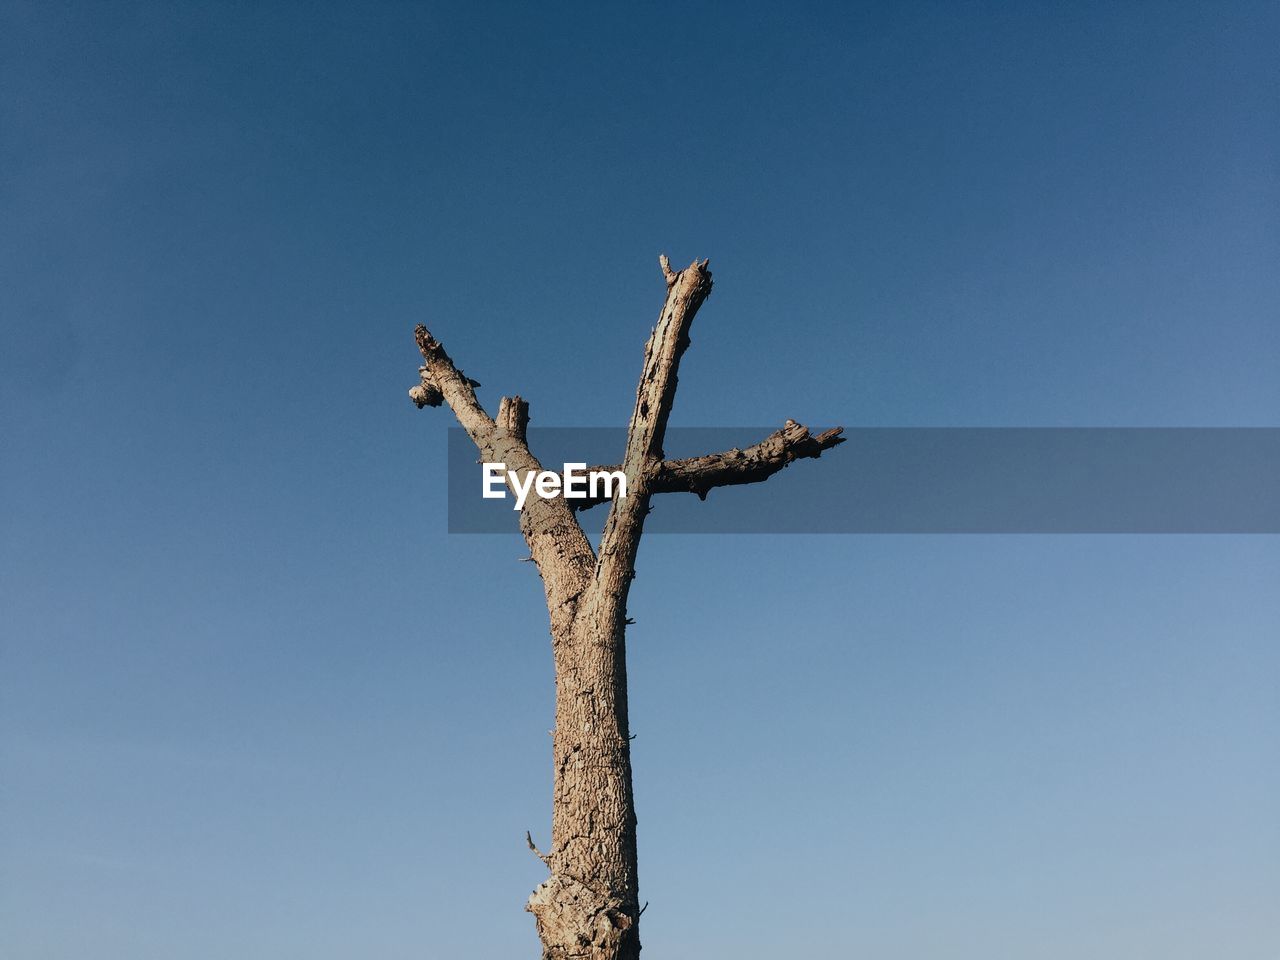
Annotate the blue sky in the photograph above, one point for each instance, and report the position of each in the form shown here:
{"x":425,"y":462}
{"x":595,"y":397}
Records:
{"x":255,"y":702}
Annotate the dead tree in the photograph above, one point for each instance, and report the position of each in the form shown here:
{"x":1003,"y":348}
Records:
{"x":589,"y":906}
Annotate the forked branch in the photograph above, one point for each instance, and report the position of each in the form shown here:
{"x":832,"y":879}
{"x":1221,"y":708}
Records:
{"x":556,"y":541}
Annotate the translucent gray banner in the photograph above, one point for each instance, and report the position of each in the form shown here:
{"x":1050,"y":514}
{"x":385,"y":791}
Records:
{"x":935,"y":480}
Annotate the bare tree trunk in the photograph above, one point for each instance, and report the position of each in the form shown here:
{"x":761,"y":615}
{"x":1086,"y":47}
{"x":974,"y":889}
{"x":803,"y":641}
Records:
{"x":589,"y":906}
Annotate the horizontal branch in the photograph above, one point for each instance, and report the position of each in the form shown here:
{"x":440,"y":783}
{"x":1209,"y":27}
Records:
{"x":734,"y":467}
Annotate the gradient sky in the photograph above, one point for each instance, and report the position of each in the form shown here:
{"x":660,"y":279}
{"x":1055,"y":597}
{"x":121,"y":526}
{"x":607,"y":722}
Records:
{"x":255,"y":703}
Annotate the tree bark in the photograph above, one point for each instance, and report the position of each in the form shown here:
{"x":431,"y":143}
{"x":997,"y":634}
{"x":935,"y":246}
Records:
{"x":589,"y":906}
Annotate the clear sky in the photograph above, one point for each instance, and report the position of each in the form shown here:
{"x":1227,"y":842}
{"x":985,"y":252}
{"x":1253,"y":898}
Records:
{"x":255,"y":703}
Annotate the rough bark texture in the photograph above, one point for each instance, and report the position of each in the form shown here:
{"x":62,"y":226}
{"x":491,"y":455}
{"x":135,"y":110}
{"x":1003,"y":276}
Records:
{"x":589,"y":906}
{"x":750,"y":464}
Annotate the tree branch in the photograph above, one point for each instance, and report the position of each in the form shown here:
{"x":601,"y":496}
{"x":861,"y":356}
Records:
{"x":528,"y":838}
{"x":556,"y":542}
{"x":442,"y":381}
{"x":655,"y":395}
{"x":751,"y":464}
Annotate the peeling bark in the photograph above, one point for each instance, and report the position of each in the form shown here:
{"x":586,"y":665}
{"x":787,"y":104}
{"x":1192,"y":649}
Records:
{"x":589,"y":905}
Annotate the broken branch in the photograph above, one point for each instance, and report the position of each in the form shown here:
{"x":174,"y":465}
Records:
{"x":751,"y":464}
{"x":442,"y":381}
